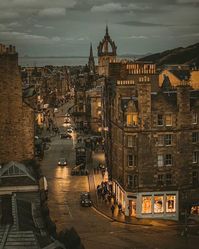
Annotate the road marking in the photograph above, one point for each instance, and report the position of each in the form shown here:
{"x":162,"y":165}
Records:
{"x":69,"y":211}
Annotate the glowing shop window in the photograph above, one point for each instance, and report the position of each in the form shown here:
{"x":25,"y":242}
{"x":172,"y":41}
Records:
{"x":146,"y":204}
{"x":171,"y":203}
{"x":158,"y":204}
{"x":132,"y":119}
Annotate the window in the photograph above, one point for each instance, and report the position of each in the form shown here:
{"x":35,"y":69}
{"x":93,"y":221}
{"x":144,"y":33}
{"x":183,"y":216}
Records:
{"x":194,"y":118}
{"x":195,"y":178}
{"x":168,"y":160}
{"x":160,"y":160}
{"x":131,"y":141}
{"x":168,"y":179}
{"x":135,"y":181}
{"x":170,"y":203}
{"x":132,"y":119}
{"x":160,"y":140}
{"x":168,"y":120}
{"x":146,"y":204}
{"x":13,"y":171}
{"x":158,"y":204}
{"x":168,"y":139}
{"x":132,"y":160}
{"x":195,"y":137}
{"x":160,"y":180}
{"x":160,"y":120}
{"x":130,"y":181}
{"x":195,"y":157}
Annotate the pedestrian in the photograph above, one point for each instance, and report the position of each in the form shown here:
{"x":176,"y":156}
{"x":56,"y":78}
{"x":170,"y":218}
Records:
{"x":112,"y":209}
{"x":120,"y":207}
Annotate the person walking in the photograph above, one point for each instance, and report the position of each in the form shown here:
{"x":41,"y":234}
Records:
{"x":112,"y":209}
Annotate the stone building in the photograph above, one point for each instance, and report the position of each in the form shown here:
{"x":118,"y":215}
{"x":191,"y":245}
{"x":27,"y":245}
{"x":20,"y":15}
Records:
{"x":94,"y":108}
{"x":16,"y":116}
{"x":152,"y":144}
{"x":107,"y":52}
{"x":175,"y":74}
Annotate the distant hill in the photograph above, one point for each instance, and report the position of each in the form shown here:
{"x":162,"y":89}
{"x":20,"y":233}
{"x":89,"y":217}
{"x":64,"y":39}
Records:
{"x":188,"y":55}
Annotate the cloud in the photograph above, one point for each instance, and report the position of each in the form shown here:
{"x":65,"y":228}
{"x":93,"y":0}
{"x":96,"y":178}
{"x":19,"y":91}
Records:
{"x":109,"y":7}
{"x":8,"y":14}
{"x":52,"y":12}
{"x":144,"y":24}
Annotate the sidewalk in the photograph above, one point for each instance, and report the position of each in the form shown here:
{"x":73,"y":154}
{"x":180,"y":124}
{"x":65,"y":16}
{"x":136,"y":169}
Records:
{"x":104,"y":208}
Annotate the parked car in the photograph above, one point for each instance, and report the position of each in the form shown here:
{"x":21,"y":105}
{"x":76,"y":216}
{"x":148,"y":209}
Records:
{"x":56,"y":110}
{"x":85,"y":199}
{"x":67,"y":115}
{"x":65,"y":135}
{"x":66,"y":120}
{"x":62,"y":162}
{"x":69,"y":130}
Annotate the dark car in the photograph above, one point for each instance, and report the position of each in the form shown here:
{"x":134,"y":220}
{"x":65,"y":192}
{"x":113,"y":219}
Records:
{"x":64,"y":135}
{"x":62,"y":162}
{"x":85,"y":199}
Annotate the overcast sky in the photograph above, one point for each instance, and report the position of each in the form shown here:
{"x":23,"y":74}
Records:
{"x":66,"y":27}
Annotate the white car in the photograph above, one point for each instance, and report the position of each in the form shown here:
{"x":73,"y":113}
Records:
{"x":56,"y":110}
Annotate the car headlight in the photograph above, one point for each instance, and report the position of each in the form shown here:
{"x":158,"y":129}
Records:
{"x":59,"y":163}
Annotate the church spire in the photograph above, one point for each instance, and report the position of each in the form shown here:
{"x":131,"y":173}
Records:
{"x":91,"y":50}
{"x":107,"y":34}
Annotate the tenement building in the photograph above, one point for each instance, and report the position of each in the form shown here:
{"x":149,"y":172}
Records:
{"x":16,"y":116}
{"x":152,"y":146}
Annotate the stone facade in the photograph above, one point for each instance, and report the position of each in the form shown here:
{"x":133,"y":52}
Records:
{"x":152,"y":147}
{"x":16,"y":117}
{"x":175,"y":74}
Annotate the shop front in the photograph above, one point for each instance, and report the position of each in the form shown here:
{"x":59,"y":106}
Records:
{"x":120,"y":194}
{"x":162,"y":205}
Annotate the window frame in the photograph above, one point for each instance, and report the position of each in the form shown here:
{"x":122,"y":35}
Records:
{"x":158,"y":119}
{"x":171,"y":120}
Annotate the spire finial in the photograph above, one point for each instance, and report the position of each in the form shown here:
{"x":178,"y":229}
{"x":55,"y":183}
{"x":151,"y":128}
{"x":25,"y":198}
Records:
{"x":107,"y":29}
{"x":91,"y":50}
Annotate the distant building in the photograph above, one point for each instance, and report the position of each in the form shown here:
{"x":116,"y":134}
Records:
{"x":17,"y":117}
{"x":91,"y":61}
{"x":107,"y":52}
{"x":94,"y":108}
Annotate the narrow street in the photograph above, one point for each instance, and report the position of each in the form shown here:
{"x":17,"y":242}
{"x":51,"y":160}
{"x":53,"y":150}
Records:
{"x":95,"y":230}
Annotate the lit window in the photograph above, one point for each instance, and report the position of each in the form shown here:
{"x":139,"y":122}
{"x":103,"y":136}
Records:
{"x":131,"y":141}
{"x":195,"y":180}
{"x":132,"y":160}
{"x":171,"y":203}
{"x":168,"y":120}
{"x":99,"y":104}
{"x":160,"y":120}
{"x":132,"y":119}
{"x":168,"y":139}
{"x":195,"y":157}
{"x":146,"y":204}
{"x":194,"y":118}
{"x":195,"y":137}
{"x":168,"y":159}
{"x":158,"y":204}
{"x":160,"y":160}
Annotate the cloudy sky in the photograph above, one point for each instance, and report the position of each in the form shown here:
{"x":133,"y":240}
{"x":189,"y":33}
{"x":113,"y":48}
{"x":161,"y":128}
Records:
{"x":66,"y":27}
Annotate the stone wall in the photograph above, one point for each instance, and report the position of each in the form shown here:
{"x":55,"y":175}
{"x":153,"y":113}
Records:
{"x":14,"y":138}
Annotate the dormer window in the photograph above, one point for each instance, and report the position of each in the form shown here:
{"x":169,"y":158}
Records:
{"x":132,"y":119}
